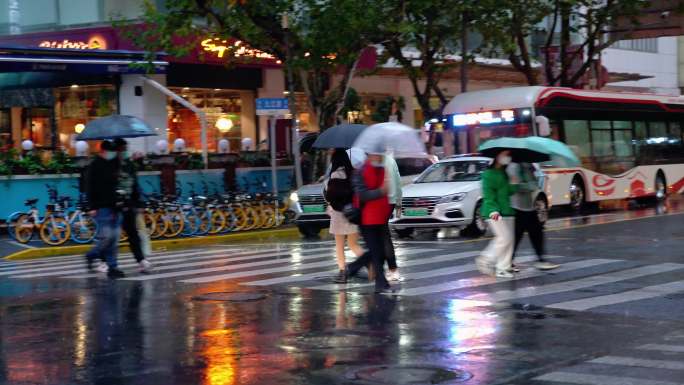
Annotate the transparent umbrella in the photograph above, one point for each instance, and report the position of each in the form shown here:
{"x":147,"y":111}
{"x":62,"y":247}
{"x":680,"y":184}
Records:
{"x":115,"y":126}
{"x":400,"y":139}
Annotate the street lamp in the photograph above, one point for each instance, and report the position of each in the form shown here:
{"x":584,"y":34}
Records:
{"x":285,"y":24}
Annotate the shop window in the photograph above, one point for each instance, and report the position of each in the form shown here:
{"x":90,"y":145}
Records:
{"x":37,"y":126}
{"x":5,"y":128}
{"x":75,"y":106}
{"x":223,"y":109}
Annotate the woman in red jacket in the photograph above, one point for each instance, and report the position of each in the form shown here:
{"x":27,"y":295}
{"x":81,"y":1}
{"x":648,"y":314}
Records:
{"x":371,"y":195}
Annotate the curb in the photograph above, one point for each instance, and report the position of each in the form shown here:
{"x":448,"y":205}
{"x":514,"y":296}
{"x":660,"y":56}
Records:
{"x":157,"y":245}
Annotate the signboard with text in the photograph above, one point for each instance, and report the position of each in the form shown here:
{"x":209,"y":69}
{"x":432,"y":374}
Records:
{"x":272,"y":106}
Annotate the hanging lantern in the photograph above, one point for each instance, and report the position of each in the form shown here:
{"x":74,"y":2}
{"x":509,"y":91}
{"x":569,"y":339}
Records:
{"x":79,"y":128}
{"x":224,"y":124}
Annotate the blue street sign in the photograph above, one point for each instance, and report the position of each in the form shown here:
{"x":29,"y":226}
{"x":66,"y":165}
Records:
{"x":272,"y":106}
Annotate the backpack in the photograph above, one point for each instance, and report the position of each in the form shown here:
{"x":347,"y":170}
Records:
{"x":339,"y":192}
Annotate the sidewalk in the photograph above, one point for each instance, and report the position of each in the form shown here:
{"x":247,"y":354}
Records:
{"x":12,"y":250}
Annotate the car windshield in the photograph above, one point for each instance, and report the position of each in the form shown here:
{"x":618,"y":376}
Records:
{"x":457,"y":171}
{"x":412,"y":166}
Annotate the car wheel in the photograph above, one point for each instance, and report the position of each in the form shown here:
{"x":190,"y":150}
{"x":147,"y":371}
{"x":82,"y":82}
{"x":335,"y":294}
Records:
{"x":541,"y":206}
{"x":309,"y":231}
{"x":404,"y":233}
{"x":478,"y":227}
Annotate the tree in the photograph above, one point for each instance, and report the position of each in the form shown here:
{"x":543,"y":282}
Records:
{"x":570,"y":35}
{"x":313,"y":55}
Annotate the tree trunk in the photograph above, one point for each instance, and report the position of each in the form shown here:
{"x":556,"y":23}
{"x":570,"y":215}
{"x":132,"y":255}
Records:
{"x":464,"y":52}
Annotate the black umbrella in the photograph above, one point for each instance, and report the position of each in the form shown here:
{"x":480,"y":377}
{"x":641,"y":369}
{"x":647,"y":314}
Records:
{"x":340,"y":136}
{"x":115,"y":126}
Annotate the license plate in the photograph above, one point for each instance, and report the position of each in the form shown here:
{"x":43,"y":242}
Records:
{"x":314,"y":209}
{"x":416,"y":212}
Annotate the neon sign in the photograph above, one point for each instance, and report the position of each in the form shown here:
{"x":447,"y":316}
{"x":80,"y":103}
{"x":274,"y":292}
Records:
{"x":236,"y":49}
{"x":487,"y":117}
{"x":94,"y":42}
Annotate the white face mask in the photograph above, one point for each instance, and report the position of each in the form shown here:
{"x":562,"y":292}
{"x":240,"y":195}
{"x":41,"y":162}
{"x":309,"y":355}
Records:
{"x":377,"y":164}
{"x":504,"y":160}
{"x":109,"y":155}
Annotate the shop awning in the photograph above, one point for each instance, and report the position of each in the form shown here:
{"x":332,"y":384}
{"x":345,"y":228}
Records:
{"x":13,"y":59}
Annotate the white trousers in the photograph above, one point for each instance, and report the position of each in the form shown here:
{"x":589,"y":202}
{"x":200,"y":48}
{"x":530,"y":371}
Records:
{"x":499,"y":251}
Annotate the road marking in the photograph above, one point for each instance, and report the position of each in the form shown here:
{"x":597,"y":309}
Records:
{"x":598,"y":379}
{"x":486,"y":280}
{"x":310,"y":276}
{"x":468,"y":267}
{"x":576,"y":284}
{"x":210,"y":259}
{"x":640,"y":362}
{"x":627,"y":296}
{"x":25,"y":246}
{"x":212,"y":278}
{"x":663,"y":348}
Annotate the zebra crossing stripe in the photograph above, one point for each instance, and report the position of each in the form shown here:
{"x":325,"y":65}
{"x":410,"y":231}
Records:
{"x":599,"y":379}
{"x":663,"y":348}
{"x":486,"y":280}
{"x":576,"y":284}
{"x":310,"y":276}
{"x":627,"y":296}
{"x":207,"y":260}
{"x":639,"y":362}
{"x":80,"y":262}
{"x":294,"y":264}
{"x":423,"y":274}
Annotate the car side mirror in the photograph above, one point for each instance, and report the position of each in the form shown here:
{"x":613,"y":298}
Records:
{"x":543,"y":126}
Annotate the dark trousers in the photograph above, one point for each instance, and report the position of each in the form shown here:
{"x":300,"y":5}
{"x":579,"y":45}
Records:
{"x":528,"y":221}
{"x":130,"y":227}
{"x":373,"y":235}
{"x":389,"y":246}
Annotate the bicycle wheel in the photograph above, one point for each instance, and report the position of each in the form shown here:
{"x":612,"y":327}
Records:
{"x":190,"y":224}
{"x":23,"y":230}
{"x":231,"y":221}
{"x":217,"y":221}
{"x":240,"y":218}
{"x":252,"y":218}
{"x":155,"y":224}
{"x":174,"y":223}
{"x":83,"y":228}
{"x":204,"y":223}
{"x":268,"y":217}
{"x":12,"y":224}
{"x":55,"y":230}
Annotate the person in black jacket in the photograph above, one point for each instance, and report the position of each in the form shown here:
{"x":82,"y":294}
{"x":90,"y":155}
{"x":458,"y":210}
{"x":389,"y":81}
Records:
{"x":129,"y":202}
{"x":101,"y":181}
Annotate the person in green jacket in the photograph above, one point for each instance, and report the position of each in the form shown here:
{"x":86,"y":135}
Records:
{"x":496,"y":206}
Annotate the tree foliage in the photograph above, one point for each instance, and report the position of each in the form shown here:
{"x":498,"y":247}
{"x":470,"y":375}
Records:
{"x":322,"y":38}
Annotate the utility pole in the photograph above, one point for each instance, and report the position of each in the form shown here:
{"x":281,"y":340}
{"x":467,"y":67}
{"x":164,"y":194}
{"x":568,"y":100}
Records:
{"x":292,"y":103}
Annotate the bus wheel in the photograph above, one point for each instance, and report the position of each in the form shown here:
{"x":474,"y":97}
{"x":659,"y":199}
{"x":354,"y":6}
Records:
{"x":660,"y":187}
{"x":577,"y":194}
{"x":541,"y":206}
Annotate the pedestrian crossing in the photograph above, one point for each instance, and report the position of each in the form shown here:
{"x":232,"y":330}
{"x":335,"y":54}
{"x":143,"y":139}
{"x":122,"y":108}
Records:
{"x":580,"y":284}
{"x":650,"y":364}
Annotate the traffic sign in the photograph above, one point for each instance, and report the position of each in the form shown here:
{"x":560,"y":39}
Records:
{"x":272,"y":106}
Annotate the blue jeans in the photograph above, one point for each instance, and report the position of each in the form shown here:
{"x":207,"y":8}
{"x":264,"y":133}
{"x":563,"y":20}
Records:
{"x":107,"y":240}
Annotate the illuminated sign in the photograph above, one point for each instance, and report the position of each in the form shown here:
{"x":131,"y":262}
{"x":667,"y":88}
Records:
{"x":487,"y":117}
{"x":94,"y":42}
{"x":236,"y":49}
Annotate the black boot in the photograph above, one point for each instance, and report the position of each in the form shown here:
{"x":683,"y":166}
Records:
{"x":341,"y":277}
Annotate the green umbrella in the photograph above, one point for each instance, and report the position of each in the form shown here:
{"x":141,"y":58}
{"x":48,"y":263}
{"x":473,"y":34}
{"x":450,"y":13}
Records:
{"x":561,"y":155}
{"x":521,"y":150}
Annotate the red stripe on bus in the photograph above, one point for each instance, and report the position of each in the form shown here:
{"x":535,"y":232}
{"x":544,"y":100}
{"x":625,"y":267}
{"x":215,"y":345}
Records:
{"x":677,"y":186}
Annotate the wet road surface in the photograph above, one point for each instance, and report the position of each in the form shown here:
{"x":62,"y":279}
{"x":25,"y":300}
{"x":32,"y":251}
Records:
{"x":269,"y":313}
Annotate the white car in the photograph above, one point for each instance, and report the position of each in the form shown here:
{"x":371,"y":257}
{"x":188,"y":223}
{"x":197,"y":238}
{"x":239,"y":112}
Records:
{"x":449,"y":194}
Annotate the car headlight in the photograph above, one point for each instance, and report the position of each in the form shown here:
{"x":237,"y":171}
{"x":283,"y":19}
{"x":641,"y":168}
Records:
{"x":294,"y":197}
{"x":452,"y":198}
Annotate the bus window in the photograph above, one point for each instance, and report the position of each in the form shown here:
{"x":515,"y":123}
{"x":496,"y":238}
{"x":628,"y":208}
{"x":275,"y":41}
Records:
{"x":657,"y":130}
{"x":577,"y":137}
{"x":623,"y":143}
{"x":601,"y":140}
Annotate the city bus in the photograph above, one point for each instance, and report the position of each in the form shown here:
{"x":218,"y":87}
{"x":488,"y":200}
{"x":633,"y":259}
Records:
{"x":630,"y":144}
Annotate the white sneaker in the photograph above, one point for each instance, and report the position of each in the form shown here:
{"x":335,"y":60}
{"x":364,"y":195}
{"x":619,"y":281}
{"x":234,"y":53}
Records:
{"x":145,"y":266}
{"x":394,"y":276}
{"x":101,"y":267}
{"x":546,"y":265}
{"x":504,"y":274}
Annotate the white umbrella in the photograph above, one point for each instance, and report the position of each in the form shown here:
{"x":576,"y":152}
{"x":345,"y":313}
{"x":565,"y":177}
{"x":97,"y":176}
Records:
{"x":357,"y":156}
{"x":400,"y":139}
